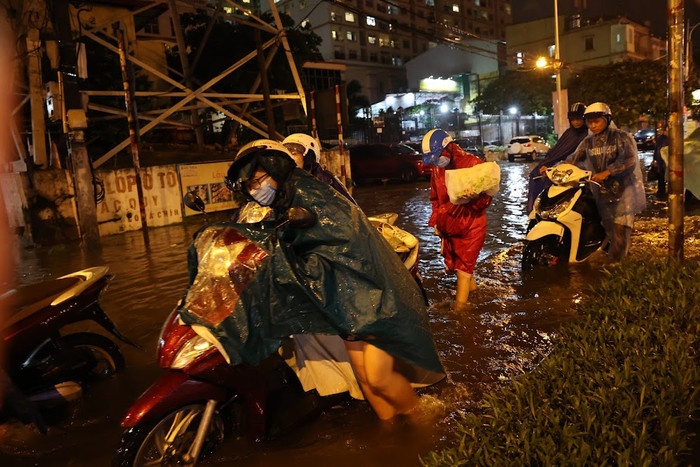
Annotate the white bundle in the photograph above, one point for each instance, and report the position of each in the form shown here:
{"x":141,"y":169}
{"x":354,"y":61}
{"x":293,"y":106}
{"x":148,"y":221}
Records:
{"x":463,"y":185}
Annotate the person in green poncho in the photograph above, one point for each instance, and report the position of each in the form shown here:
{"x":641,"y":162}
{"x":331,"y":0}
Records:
{"x":337,"y":277}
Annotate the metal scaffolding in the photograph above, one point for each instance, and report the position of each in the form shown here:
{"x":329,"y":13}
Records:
{"x":194,"y":96}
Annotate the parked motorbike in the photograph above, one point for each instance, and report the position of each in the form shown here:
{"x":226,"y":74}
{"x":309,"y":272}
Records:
{"x":189,"y":410}
{"x":44,"y":364}
{"x":564,"y":224}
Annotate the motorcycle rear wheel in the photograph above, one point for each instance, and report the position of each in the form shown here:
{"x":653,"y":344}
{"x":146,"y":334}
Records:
{"x":168,"y":441}
{"x":108,"y":358}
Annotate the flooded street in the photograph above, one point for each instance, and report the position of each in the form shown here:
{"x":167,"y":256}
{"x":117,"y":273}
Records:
{"x":511,"y":325}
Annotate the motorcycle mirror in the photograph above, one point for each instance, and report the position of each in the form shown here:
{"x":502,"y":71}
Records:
{"x":299,"y":218}
{"x":193,"y":201}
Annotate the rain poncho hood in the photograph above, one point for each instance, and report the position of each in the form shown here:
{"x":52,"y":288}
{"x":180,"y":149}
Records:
{"x":253,"y":285}
{"x":614,"y":150}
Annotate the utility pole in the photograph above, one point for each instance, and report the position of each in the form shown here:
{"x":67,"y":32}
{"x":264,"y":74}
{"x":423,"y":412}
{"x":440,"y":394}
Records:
{"x":77,"y":123}
{"x":262,"y":67}
{"x":132,"y":119}
{"x":36,"y":91}
{"x":676,"y":197}
{"x":184,"y":61}
{"x":560,"y":111}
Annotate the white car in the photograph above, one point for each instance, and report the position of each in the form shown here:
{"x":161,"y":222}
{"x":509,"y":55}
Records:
{"x":527,"y":146}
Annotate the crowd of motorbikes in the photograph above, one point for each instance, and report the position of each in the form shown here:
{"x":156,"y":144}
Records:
{"x":199,"y":398}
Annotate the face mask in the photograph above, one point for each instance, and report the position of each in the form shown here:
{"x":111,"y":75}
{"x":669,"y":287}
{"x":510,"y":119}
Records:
{"x":264,"y":194}
{"x":443,"y":161}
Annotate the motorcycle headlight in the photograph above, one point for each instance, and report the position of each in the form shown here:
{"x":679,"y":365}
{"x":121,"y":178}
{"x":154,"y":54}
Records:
{"x":555,"y":211}
{"x":559,"y":177}
{"x":192,"y":348}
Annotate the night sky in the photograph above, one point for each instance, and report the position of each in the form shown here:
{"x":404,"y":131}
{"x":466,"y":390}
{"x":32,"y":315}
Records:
{"x":640,"y":11}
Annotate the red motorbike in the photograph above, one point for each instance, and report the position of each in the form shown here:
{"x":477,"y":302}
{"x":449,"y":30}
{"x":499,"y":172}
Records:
{"x":45,"y":367}
{"x":187,"y":412}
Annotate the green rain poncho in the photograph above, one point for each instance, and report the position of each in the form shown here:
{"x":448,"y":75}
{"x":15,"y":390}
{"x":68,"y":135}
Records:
{"x":252,"y":285}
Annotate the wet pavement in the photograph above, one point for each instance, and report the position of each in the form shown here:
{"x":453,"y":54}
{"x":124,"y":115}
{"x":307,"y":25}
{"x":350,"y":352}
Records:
{"x":511,"y":325}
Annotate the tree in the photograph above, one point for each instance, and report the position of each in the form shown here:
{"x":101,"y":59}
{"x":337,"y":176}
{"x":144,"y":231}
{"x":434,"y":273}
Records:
{"x":632,"y":89}
{"x":529,"y":91}
{"x":229,"y":42}
{"x":356,"y":101}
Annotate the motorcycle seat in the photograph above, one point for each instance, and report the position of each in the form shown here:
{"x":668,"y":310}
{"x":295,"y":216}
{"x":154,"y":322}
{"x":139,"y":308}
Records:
{"x":24,"y":301}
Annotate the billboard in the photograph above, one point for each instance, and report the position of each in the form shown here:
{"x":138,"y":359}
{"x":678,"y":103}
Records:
{"x":207,"y":181}
{"x":119,"y":210}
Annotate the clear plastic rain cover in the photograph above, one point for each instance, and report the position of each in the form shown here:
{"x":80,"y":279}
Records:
{"x":227,"y":262}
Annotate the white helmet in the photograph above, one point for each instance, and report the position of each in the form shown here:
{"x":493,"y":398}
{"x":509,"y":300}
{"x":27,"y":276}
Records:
{"x":598,"y":109}
{"x":304,"y":143}
{"x":272,"y":155}
{"x":260,"y":146}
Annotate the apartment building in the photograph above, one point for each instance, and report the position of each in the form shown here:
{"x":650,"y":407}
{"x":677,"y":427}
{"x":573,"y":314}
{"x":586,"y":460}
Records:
{"x":375,"y":38}
{"x":581,"y":43}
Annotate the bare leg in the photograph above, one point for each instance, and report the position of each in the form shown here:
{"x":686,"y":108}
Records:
{"x":464,"y":286}
{"x":388,"y":392}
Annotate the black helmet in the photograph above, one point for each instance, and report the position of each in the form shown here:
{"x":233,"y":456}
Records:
{"x":577,"y":109}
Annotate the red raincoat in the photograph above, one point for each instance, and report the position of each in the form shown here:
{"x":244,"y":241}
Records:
{"x":462,"y":227}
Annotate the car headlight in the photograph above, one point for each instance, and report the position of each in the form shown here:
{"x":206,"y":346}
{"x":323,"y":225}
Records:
{"x":555,"y":211}
{"x":191,"y":350}
{"x":560,"y":177}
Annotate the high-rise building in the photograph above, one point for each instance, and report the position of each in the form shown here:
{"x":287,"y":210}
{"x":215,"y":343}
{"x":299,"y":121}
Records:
{"x":375,"y":38}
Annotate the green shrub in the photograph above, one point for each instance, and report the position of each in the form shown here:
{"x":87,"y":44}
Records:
{"x":617,"y":389}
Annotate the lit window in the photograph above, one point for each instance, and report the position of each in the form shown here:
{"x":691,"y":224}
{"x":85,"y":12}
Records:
{"x":228,"y":10}
{"x":349,"y":35}
{"x":333,"y":16}
{"x":519,"y":58}
{"x":248,"y":1}
{"x":372,"y":39}
{"x":305,"y":23}
{"x":552,"y":50}
{"x":455,"y":8}
{"x":349,"y":17}
{"x":429,"y":2}
{"x":477,"y":2}
{"x":371,"y":21}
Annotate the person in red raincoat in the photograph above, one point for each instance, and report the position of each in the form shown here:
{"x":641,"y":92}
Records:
{"x":461,"y":227}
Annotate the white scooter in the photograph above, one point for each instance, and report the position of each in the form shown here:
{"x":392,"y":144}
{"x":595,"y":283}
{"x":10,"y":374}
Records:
{"x":564,"y":223}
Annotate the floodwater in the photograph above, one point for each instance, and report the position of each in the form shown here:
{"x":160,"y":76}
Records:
{"x":510,"y":326}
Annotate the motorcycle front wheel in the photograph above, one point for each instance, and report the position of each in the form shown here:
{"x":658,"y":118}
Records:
{"x":540,"y":252}
{"x":169,"y":440}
